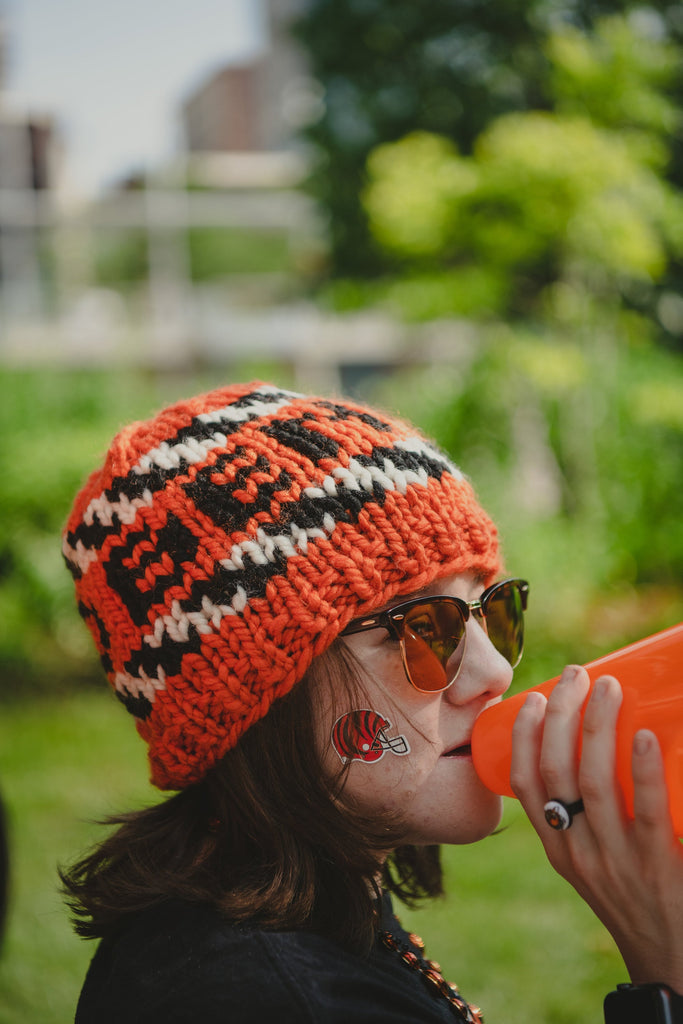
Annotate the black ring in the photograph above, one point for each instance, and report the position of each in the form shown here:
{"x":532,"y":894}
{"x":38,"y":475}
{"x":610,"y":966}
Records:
{"x":560,"y":815}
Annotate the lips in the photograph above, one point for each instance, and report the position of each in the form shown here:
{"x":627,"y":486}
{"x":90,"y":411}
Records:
{"x":464,"y":750}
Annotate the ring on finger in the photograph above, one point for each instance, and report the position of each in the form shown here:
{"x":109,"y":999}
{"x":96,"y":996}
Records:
{"x":560,"y":814}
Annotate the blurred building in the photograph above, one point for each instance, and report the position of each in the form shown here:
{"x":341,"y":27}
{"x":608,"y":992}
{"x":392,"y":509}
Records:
{"x":28,"y":145}
{"x":223,"y":113}
{"x":112,"y":281}
{"x":257,"y":106}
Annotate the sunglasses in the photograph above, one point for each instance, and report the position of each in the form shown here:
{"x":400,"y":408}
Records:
{"x":432,"y":631}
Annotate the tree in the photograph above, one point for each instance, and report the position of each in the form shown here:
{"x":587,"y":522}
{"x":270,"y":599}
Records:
{"x":544,"y":200}
{"x":568,"y":198}
{"x":449,"y":67}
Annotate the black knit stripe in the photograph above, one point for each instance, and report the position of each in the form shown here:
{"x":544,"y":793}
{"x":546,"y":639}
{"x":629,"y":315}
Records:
{"x":146,"y":660}
{"x":102,"y":638}
{"x":104,"y":513}
{"x":135,"y":703}
{"x":133,"y":570}
{"x":293,"y":433}
{"x":216,"y":498}
{"x":343,"y":412}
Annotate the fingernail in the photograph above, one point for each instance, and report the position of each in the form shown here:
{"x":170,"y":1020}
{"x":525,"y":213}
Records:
{"x":570,"y":672}
{"x":642,"y":743}
{"x":534,"y":701}
{"x":600,"y":689}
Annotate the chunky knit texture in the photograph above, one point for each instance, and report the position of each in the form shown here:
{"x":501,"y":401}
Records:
{"x":228,"y":541}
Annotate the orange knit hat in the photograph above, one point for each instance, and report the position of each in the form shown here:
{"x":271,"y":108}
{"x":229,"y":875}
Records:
{"x":227,"y":541}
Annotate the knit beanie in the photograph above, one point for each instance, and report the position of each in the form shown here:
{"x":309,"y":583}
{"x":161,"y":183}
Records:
{"x":227,"y":541}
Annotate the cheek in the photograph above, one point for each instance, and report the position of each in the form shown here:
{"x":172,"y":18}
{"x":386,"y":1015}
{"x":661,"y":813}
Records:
{"x":382,"y":667}
{"x":379,"y":788}
{"x":393,"y":782}
{"x":395,"y":760}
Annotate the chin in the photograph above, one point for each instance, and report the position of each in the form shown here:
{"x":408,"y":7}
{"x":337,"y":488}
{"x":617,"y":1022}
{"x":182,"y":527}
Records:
{"x":481,"y":821}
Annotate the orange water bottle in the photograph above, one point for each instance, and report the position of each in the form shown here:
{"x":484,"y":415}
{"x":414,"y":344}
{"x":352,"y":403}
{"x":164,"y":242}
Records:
{"x":651,"y":677}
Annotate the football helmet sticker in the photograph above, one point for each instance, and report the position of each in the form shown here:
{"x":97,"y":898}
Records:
{"x":361,"y":736}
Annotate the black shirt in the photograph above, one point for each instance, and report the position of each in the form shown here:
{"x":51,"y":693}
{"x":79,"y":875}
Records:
{"x":183,"y":963}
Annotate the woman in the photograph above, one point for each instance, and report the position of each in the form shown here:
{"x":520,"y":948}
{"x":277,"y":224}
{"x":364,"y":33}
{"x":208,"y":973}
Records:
{"x":295,"y":599}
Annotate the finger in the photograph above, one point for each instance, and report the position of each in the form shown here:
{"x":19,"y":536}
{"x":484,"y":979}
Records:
{"x":527,"y":736}
{"x":527,"y":782}
{"x":652,"y":826}
{"x":597,"y":772}
{"x":558,"y":763}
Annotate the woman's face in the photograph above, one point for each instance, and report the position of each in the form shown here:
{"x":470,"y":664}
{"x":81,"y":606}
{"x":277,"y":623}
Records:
{"x":429,"y":779}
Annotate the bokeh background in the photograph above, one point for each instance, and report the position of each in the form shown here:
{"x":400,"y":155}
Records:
{"x":470,"y":214}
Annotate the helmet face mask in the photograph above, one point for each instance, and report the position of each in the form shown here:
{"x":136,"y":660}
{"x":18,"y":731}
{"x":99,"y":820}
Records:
{"x":360,"y":735}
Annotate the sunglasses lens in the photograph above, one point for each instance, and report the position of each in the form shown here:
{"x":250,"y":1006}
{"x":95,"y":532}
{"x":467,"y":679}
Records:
{"x":505,"y":621}
{"x":433,"y":651}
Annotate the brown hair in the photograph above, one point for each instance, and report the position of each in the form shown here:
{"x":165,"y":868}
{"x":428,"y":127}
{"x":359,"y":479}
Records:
{"x":266,"y":836}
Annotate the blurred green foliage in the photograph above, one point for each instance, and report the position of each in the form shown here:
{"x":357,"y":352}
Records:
{"x":621,"y":74}
{"x":572,"y":196}
{"x":543,"y":199}
{"x":64,"y":764}
{"x":603,"y":73}
{"x":121,"y":257}
{"x":217,"y":252}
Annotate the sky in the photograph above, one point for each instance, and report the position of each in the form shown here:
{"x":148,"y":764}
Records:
{"x":113,"y":74}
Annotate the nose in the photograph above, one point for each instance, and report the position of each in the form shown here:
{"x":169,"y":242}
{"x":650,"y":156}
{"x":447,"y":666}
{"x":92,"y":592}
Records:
{"x":485,"y":674}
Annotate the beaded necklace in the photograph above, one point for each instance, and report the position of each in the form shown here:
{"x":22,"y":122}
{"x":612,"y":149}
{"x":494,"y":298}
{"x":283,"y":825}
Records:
{"x":431,"y":973}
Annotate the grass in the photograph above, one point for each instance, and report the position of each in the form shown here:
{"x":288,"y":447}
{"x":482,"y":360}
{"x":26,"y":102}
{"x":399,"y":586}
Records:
{"x":511,"y":934}
{"x":62,"y":764}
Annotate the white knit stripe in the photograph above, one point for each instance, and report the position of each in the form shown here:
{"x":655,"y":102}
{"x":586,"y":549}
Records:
{"x":177,"y":624}
{"x":390,"y":477}
{"x":357,"y":477}
{"x":418,"y":446}
{"x":124,"y":508}
{"x":192,"y":450}
{"x":79,"y":556}
{"x":141,"y":685}
{"x":262,"y":548}
{"x":255,"y":408}
{"x":167,"y":456}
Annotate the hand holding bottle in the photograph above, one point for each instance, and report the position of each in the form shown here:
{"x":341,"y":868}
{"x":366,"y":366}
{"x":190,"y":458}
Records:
{"x":628,"y":867}
{"x":651,"y":676}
